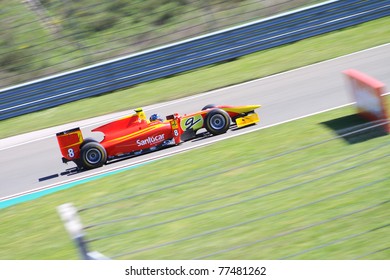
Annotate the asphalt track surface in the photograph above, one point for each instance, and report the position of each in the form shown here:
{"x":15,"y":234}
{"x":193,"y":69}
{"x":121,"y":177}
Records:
{"x":319,"y":87}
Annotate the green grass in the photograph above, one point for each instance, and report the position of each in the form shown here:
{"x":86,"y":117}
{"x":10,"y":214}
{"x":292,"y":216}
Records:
{"x":246,"y":68}
{"x":228,"y":183}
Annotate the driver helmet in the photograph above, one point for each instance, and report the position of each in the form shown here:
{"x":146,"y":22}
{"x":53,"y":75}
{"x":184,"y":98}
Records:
{"x":155,"y":117}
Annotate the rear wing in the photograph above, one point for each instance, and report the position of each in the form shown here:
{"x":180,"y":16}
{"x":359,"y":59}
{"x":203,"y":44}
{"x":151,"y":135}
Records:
{"x":69,"y":142}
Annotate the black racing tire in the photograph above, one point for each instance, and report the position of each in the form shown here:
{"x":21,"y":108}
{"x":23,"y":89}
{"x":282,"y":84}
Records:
{"x":88,"y":140}
{"x":209,"y":106}
{"x":93,"y":155}
{"x":217,"y":122}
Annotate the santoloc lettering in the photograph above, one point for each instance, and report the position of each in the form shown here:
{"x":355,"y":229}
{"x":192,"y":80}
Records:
{"x":150,"y":140}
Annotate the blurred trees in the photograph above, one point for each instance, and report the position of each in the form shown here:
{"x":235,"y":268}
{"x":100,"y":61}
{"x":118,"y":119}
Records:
{"x":42,"y":37}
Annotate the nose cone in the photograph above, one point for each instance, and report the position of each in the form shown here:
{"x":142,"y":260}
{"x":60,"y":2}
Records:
{"x":243,"y":109}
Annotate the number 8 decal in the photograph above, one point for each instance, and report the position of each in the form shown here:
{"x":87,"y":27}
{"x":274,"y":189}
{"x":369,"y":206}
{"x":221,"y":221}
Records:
{"x":70,"y":153}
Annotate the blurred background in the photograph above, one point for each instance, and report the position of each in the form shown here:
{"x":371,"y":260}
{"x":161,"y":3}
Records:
{"x":43,"y":37}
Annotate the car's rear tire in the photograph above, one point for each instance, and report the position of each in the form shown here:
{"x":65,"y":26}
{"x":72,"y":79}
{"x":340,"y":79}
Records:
{"x":209,"y":106}
{"x":88,"y":140}
{"x":217,"y":122}
{"x":93,"y":155}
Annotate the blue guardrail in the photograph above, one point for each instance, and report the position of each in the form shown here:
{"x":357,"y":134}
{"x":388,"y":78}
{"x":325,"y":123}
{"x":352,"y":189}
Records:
{"x":187,"y":55}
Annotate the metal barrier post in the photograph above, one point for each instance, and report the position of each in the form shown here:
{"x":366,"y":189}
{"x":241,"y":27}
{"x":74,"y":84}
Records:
{"x":73,"y":225}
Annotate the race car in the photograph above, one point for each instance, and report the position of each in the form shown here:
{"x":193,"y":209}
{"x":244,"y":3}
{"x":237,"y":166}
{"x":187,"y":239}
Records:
{"x":136,"y":134}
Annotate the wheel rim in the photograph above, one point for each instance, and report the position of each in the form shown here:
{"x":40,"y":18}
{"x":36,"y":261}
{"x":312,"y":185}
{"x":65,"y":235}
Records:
{"x":93,"y":156}
{"x":217,"y":122}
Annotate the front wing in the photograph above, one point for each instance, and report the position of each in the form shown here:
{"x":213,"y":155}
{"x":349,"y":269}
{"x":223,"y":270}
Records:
{"x":247,"y":120}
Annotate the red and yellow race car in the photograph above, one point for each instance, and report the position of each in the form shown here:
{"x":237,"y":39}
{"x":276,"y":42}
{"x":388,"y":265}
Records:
{"x":136,"y":134}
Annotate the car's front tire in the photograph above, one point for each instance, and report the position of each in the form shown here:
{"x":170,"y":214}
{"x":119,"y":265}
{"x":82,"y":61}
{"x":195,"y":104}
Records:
{"x":217,"y":121}
{"x":93,"y":155}
{"x":209,"y":106}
